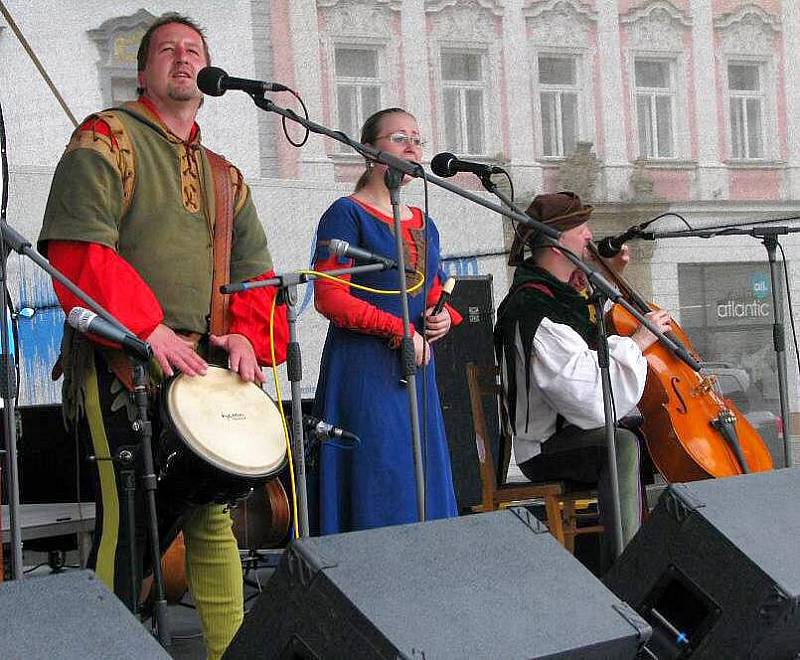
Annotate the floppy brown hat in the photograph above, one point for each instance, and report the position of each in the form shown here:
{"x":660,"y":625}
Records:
{"x":561,"y":211}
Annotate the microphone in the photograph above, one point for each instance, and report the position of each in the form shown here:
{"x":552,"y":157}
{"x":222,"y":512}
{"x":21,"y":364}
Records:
{"x":344,"y":249}
{"x":446,"y":165}
{"x":447,"y":289}
{"x":214,"y":81}
{"x":322,"y":429}
{"x":85,"y":321}
{"x":611,"y":246}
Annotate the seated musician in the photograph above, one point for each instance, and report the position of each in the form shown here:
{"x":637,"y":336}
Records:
{"x":129,"y":220}
{"x":545,"y":342}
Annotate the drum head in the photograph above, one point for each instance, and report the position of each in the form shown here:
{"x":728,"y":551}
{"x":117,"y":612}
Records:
{"x":229,"y":423}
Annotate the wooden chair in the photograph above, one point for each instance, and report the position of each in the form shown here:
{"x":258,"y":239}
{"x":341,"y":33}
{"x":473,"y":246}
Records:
{"x":482,"y":381}
{"x":564,"y":510}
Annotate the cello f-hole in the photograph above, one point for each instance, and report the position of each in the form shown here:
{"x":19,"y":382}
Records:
{"x":674,"y":383}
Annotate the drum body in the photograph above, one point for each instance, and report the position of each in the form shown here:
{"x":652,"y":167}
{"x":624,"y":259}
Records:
{"x":221,"y":438}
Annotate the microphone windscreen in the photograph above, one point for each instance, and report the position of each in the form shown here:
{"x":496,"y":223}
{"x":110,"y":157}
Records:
{"x":209,"y":80}
{"x":441,"y":164}
{"x":607,"y":247}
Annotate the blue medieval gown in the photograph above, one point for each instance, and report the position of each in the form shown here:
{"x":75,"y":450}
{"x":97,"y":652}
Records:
{"x":359,"y":389}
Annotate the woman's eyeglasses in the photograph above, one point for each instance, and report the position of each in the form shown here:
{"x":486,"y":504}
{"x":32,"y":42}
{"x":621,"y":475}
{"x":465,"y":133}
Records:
{"x":402,"y":138}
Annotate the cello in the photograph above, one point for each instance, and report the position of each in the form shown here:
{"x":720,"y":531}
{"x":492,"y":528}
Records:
{"x":691,"y":431}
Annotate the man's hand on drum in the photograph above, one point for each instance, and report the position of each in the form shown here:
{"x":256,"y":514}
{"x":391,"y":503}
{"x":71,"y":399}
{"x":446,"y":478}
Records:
{"x":173,"y":352}
{"x":241,"y":356}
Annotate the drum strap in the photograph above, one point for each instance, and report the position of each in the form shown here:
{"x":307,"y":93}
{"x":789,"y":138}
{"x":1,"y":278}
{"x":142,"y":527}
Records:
{"x":223,"y":238}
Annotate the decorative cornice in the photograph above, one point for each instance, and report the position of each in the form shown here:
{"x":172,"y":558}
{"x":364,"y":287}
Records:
{"x":645,"y":11}
{"x":534,"y":9}
{"x":361,"y":19}
{"x":747,"y":13}
{"x":121,"y":23}
{"x":494,"y":6}
{"x":394,"y":5}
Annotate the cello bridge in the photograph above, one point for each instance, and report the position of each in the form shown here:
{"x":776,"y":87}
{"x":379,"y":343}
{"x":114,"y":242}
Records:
{"x":705,"y":386}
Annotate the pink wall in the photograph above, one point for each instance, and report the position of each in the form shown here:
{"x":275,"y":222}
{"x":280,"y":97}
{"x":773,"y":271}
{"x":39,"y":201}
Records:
{"x":672,"y":185}
{"x":284,"y":70}
{"x":754,"y":184}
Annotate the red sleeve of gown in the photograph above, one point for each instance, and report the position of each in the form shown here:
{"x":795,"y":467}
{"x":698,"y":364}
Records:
{"x":433,"y":298}
{"x":334,"y":301}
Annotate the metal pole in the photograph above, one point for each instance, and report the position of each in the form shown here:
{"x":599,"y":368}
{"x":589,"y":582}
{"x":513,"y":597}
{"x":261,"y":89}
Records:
{"x":393,"y":178}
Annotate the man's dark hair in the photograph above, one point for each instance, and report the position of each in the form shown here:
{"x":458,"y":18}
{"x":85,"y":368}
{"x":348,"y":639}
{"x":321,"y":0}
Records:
{"x":166,"y":19}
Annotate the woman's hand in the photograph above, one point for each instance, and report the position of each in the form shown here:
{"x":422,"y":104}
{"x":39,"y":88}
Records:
{"x":422,"y":350}
{"x":437,"y":326}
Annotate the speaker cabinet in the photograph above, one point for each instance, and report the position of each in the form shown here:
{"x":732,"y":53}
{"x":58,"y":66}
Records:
{"x":70,"y":615}
{"x":493,"y":585}
{"x":715,"y":569}
{"x":472,"y":341}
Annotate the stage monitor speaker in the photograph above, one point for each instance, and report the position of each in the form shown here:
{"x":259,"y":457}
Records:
{"x":715,"y":571}
{"x":70,"y":615}
{"x":472,"y":341}
{"x":50,"y":461}
{"x":492,"y":585}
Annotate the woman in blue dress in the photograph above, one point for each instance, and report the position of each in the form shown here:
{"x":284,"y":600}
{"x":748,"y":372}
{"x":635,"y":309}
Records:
{"x":373,"y":484}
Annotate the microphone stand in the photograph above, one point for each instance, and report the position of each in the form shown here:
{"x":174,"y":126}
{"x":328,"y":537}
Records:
{"x":393,"y":178}
{"x":598,"y":299}
{"x":15,"y":241}
{"x":8,"y":383}
{"x":602,"y":291}
{"x":287,"y":285}
{"x":400,"y":167}
{"x":769,"y":238}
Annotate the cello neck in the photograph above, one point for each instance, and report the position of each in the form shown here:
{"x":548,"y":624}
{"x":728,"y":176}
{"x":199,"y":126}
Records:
{"x":630,"y":294}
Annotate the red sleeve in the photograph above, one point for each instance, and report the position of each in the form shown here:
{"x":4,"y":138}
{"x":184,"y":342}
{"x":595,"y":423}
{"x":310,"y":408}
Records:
{"x":110,"y":280}
{"x":249,"y":316}
{"x":433,"y":297}
{"x":334,"y":301}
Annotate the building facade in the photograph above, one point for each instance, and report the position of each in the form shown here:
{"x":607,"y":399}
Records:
{"x":644,"y":107}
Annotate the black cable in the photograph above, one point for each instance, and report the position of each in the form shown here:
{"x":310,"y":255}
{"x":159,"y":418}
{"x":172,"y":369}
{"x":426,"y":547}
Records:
{"x":791,"y":315}
{"x":749,"y":223}
{"x":425,"y":290}
{"x":4,"y":163}
{"x":286,"y":130}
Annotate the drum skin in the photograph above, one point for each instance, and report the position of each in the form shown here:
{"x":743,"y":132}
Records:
{"x":221,"y":438}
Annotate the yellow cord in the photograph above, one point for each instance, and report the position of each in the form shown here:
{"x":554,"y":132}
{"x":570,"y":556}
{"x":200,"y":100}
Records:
{"x":283,"y":416}
{"x":333,"y":278}
{"x":384,"y":292}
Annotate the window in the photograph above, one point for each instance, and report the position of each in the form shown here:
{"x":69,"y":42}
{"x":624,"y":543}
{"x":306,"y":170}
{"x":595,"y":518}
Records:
{"x":463,"y":82}
{"x":655,"y":91}
{"x":117,"y":40}
{"x":358,"y":88}
{"x":558,"y":96}
{"x":746,"y":103}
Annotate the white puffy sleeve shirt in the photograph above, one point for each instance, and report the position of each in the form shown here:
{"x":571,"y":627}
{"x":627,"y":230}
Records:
{"x":565,"y":379}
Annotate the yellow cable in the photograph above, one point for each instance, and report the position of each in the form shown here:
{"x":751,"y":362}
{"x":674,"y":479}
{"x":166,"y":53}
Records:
{"x":383,"y":292}
{"x":333,"y":278}
{"x":283,"y":416}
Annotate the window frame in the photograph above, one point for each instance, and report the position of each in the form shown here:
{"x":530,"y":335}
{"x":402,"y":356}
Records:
{"x":377,"y":46}
{"x":585,"y":111}
{"x":653,"y":93}
{"x":768,"y":109}
{"x":483,"y":86}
